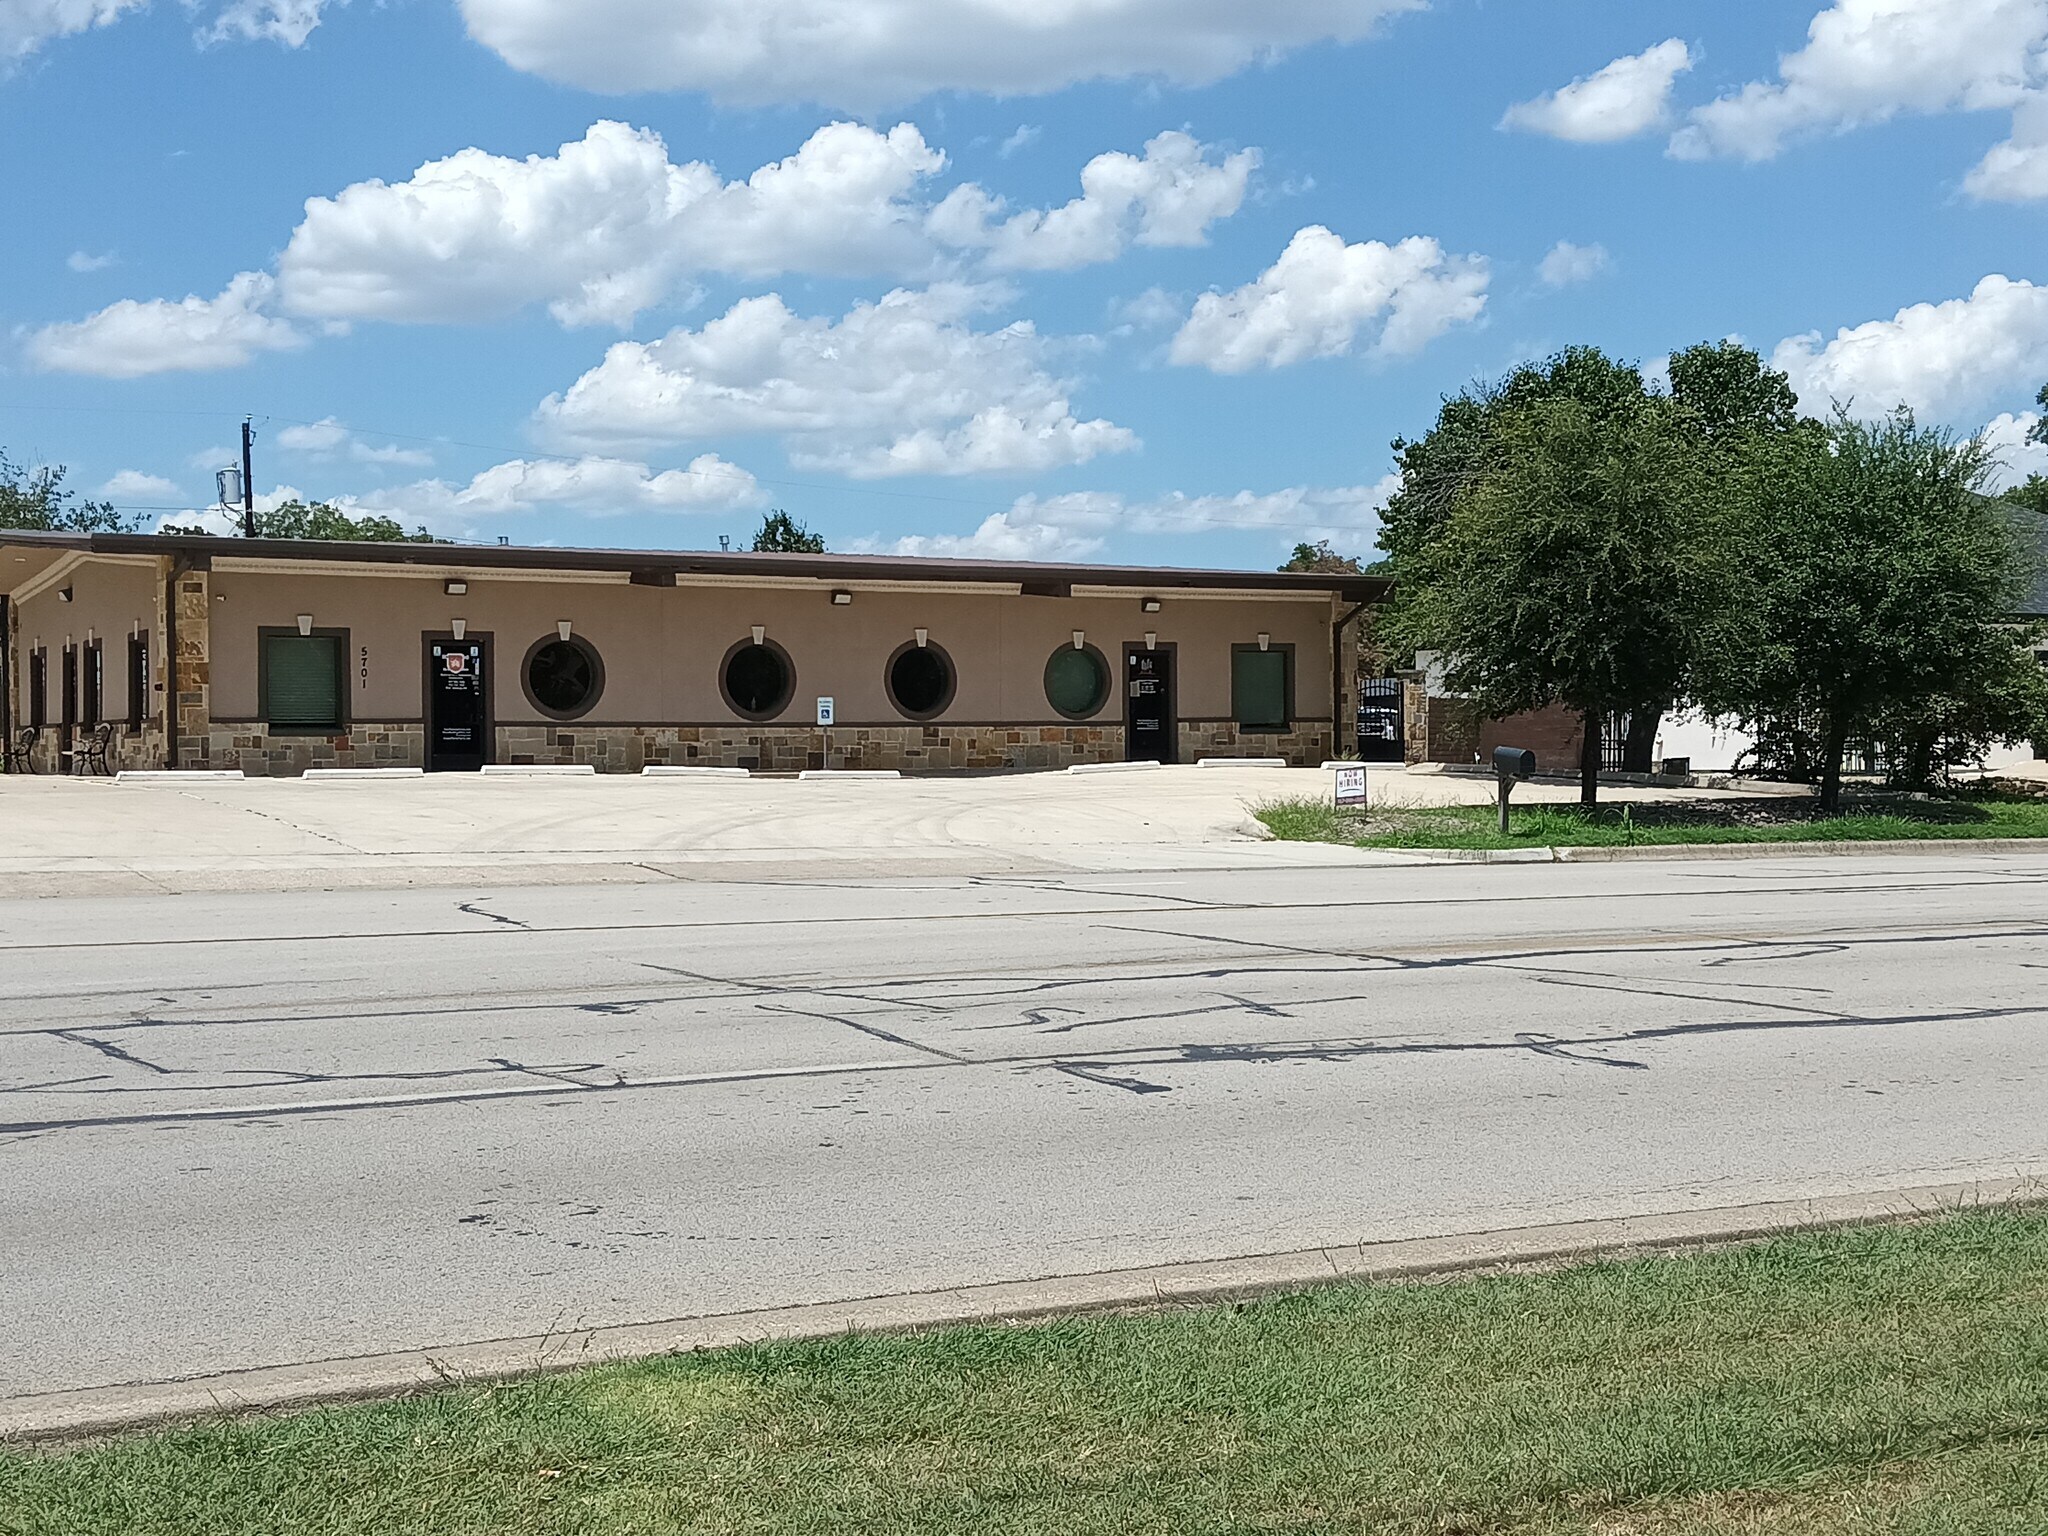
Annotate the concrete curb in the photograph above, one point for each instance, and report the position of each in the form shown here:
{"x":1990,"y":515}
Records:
{"x":104,"y":1410}
{"x":1918,"y":845}
{"x":850,"y":773}
{"x":175,"y":775}
{"x":540,"y":770}
{"x":316,"y":774}
{"x":676,"y":771}
{"x":1137,"y":767}
{"x":1240,"y":762}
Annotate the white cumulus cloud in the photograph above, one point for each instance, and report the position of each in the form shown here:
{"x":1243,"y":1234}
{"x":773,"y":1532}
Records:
{"x":1567,"y":264}
{"x":132,"y":486}
{"x":1168,"y":198}
{"x":1324,"y":298}
{"x":289,"y":22}
{"x":1866,"y":61}
{"x":609,"y":225}
{"x":329,"y":439}
{"x":866,"y":54}
{"x":1947,"y":361}
{"x":2016,"y":452}
{"x":25,"y":25}
{"x":902,"y":385}
{"x":1631,"y":96}
{"x":2016,"y":171}
{"x":599,"y":487}
{"x":1078,"y":523}
{"x":133,"y":338}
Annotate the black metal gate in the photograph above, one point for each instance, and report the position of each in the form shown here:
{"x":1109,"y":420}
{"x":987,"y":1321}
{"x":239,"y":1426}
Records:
{"x":1382,"y":736}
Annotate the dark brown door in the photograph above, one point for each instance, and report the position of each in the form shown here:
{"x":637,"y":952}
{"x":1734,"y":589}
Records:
{"x":458,"y":703}
{"x":1151,"y":729}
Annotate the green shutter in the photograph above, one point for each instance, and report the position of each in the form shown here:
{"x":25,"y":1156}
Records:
{"x":1258,"y":689}
{"x":304,"y":674}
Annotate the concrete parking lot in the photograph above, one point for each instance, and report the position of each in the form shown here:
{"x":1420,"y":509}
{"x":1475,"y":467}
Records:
{"x":82,"y":837}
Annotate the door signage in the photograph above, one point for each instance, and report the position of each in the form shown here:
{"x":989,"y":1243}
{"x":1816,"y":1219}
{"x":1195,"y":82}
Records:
{"x":1350,"y":788}
{"x":458,"y":718}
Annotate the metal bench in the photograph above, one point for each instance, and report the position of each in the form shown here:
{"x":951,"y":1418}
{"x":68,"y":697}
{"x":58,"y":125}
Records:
{"x":21,"y":751}
{"x":90,"y":755}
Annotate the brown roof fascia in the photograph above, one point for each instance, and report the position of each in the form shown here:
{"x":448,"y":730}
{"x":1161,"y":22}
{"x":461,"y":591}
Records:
{"x":655,"y":565}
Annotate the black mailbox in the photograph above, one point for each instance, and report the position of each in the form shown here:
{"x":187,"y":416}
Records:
{"x":1510,"y":765}
{"x":1514,"y":763}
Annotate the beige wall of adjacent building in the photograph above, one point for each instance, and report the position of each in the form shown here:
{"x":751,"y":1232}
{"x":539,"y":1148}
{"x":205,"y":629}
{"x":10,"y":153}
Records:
{"x":663,"y":648}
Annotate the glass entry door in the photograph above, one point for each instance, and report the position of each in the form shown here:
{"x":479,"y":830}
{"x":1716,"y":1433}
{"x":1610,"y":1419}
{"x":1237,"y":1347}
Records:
{"x":1151,"y":729}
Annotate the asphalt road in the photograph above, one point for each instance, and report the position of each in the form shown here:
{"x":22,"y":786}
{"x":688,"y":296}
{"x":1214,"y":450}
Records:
{"x":241,"y":1130}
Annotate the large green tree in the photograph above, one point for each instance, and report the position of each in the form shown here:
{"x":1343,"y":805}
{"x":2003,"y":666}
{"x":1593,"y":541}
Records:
{"x":35,"y":500}
{"x":1574,"y":564}
{"x":782,"y":534}
{"x":1875,"y":586}
{"x":324,"y":520}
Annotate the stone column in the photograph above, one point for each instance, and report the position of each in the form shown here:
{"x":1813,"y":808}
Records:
{"x":191,"y":671}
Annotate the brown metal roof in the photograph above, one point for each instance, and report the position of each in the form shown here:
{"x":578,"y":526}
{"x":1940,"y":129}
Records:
{"x":1032,"y":576}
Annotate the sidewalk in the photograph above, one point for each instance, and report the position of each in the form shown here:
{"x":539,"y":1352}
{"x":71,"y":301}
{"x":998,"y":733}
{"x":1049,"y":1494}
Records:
{"x":69,"y":837}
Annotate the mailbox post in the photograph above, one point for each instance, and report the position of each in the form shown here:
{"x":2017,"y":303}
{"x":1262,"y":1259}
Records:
{"x":1511,"y":765}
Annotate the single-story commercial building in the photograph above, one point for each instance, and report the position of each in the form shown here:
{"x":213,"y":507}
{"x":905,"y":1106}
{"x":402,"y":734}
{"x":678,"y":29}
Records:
{"x":274,"y":656}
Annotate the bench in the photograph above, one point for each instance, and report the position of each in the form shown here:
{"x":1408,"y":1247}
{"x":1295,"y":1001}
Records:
{"x":21,"y":751}
{"x":90,"y":755}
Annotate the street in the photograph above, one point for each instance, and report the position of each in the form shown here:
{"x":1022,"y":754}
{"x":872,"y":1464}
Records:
{"x":249,"y":1129}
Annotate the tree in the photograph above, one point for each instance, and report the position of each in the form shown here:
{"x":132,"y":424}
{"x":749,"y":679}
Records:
{"x":324,"y":520}
{"x":1321,"y":558}
{"x":1875,"y":588}
{"x":1574,"y":565}
{"x":2038,"y":433}
{"x":2033,"y":494}
{"x":782,"y":535}
{"x":35,"y":500}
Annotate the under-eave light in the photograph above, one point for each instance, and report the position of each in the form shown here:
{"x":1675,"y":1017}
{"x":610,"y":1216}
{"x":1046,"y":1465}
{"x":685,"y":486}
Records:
{"x":564,"y":628}
{"x":305,"y":624}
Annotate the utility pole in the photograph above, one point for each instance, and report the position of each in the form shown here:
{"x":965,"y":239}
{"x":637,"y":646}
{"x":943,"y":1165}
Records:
{"x":248,"y":478}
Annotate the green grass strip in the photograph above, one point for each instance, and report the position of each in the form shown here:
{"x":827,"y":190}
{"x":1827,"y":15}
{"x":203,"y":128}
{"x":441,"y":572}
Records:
{"x":1882,"y":1380}
{"x":1652,"y":823}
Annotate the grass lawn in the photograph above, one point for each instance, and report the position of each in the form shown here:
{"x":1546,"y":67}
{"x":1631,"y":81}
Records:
{"x":1883,"y":1380}
{"x":1894,"y":819}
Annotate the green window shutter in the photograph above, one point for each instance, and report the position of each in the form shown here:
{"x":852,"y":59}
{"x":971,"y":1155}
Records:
{"x":304,"y":681}
{"x":1258,"y":689}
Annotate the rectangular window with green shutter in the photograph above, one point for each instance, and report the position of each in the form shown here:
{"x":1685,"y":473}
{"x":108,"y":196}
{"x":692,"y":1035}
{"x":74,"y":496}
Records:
{"x":1262,"y":687}
{"x":303,"y":682}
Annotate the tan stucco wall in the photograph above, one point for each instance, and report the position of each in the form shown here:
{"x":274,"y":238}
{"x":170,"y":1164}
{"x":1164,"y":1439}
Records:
{"x":662,"y":647}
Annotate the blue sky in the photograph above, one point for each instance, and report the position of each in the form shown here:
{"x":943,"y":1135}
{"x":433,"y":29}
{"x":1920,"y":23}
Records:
{"x":1148,"y":280}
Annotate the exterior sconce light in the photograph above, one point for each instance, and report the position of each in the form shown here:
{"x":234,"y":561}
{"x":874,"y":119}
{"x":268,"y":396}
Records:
{"x":1080,"y":639}
{"x":1149,"y":605}
{"x":1265,"y":641}
{"x":455,"y":588}
{"x":564,"y":628}
{"x":760,"y":634}
{"x":1151,"y":639}
{"x":924,"y":638}
{"x":64,"y":595}
{"x":305,"y":624}
{"x":457,"y":627}
{"x":841,"y":598}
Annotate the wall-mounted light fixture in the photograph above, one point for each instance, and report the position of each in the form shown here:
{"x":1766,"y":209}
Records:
{"x":760,"y":634}
{"x":63,"y":594}
{"x":458,"y":627}
{"x":305,"y":624}
{"x":1151,"y":639}
{"x":1265,"y":641}
{"x":1149,"y":605}
{"x":455,"y":588}
{"x":564,"y":628}
{"x":841,"y":598}
{"x":924,"y":638}
{"x":1080,"y":639}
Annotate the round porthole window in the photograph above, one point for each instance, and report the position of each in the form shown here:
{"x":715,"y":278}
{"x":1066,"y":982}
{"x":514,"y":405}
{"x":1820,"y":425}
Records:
{"x":1077,"y":682}
{"x":757,"y":680}
{"x":920,"y":679}
{"x":564,"y":679}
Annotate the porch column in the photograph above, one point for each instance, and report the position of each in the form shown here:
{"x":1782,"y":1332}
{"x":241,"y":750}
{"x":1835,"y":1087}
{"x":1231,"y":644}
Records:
{"x":189,"y":649}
